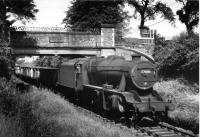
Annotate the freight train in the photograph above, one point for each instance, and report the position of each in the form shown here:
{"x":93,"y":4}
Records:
{"x":108,"y":84}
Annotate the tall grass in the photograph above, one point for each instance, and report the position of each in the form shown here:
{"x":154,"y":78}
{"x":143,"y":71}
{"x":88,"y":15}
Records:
{"x":186,"y":103}
{"x":41,"y":113}
{"x":9,"y":124}
{"x":9,"y":127}
{"x":55,"y":117}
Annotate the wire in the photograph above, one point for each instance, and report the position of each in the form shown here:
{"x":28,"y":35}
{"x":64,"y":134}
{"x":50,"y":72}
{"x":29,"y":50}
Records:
{"x":163,"y":19}
{"x":155,"y":22}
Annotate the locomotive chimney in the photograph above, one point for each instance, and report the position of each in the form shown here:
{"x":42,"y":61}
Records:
{"x":107,"y":35}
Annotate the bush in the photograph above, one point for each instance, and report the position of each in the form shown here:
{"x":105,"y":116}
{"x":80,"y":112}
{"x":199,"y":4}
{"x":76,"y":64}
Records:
{"x":178,"y":57}
{"x":8,"y":96}
{"x":49,"y":61}
{"x":6,"y":62}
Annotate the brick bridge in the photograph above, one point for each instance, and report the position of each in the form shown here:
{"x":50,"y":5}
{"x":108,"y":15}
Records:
{"x":47,"y":42}
{"x":53,"y":42}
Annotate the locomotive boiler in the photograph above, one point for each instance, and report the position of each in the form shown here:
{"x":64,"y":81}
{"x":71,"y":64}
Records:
{"x":135,"y":75}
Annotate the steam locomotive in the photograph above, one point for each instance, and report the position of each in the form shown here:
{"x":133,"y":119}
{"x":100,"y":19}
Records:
{"x":108,"y":84}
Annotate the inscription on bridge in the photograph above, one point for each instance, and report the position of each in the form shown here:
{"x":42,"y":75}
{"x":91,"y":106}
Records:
{"x":56,"y":39}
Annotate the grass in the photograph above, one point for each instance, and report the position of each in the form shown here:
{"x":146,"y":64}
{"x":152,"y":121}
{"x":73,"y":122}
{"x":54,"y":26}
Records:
{"x":41,"y":113}
{"x":9,"y":127}
{"x":186,"y":113}
{"x":56,"y":117}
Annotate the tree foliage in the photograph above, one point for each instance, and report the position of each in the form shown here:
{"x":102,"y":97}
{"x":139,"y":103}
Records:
{"x":6,"y":62}
{"x":19,"y":10}
{"x":148,"y":10}
{"x":189,"y":14}
{"x":10,"y":11}
{"x":88,"y":15}
{"x":50,"y":61}
{"x":179,"y":57}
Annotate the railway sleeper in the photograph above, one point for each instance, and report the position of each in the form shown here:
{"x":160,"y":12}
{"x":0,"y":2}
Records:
{"x":160,"y":132}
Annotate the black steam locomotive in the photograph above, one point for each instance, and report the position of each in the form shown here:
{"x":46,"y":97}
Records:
{"x":107,"y":84}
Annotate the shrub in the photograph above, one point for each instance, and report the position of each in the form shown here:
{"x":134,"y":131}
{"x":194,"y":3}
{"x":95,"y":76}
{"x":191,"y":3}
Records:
{"x":178,"y":57}
{"x":6,"y":62}
{"x":49,"y":61}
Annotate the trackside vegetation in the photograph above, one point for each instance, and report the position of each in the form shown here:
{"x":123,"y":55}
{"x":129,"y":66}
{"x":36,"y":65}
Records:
{"x":179,"y":57}
{"x":186,"y":102}
{"x":178,"y":68}
{"x":41,"y":113}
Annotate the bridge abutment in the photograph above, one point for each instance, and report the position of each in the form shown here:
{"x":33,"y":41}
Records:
{"x":107,"y":35}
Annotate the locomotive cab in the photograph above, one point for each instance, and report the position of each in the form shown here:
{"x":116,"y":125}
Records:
{"x":72,"y":74}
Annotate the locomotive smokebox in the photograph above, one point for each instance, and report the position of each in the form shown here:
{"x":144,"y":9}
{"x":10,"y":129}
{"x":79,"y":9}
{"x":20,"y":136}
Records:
{"x":138,"y":74}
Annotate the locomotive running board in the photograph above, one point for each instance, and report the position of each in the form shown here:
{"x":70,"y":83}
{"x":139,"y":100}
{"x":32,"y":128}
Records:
{"x":103,"y":89}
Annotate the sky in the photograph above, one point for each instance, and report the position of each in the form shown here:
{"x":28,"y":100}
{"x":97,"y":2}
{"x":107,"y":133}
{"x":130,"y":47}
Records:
{"x":52,"y":12}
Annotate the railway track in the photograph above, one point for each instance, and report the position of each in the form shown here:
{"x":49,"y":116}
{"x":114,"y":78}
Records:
{"x":165,"y":130}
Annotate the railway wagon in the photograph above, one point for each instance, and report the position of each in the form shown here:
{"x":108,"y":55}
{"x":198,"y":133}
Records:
{"x":40,"y":76}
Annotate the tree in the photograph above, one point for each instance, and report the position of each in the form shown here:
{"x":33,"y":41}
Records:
{"x":160,"y":45}
{"x":148,"y":10}
{"x":181,"y":57}
{"x":49,"y":61}
{"x":88,"y":15}
{"x":189,"y":14}
{"x":18,"y":10}
{"x":120,"y":30}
